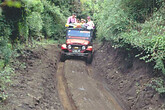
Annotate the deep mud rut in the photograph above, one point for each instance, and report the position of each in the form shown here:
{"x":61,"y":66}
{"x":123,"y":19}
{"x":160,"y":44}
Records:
{"x":79,"y":91}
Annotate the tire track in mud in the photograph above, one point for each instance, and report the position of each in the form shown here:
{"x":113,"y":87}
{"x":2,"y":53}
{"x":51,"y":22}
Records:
{"x":104,"y":90}
{"x":65,"y":96}
{"x":79,"y":91}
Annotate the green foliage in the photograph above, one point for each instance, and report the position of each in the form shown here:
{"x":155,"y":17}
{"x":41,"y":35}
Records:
{"x":0,"y":11}
{"x":137,"y":23}
{"x":5,"y":28}
{"x":21,"y":22}
{"x":87,"y":8}
{"x":33,"y":5}
{"x":35,"y":18}
{"x":112,"y":20}
{"x":5,"y":51}
{"x":139,"y":10}
{"x":5,"y":71}
{"x":23,"y":30}
{"x":5,"y":75}
{"x":158,"y":85}
{"x":53,"y":20}
{"x":12,"y":3}
{"x":34,"y":22}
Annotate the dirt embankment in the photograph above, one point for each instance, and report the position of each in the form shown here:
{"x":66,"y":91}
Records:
{"x":127,"y":77}
{"x":34,"y":86}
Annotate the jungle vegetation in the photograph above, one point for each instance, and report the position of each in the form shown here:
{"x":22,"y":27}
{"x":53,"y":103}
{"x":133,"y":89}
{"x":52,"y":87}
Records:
{"x":136,"y":24}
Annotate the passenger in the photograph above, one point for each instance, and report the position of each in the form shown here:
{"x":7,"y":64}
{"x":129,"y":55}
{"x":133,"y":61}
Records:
{"x":78,"y":24}
{"x":72,"y":19}
{"x":83,"y":23}
{"x":90,"y":24}
{"x":78,"y":20}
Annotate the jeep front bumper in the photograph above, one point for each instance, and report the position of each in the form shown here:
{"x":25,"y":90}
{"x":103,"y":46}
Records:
{"x":75,"y":54}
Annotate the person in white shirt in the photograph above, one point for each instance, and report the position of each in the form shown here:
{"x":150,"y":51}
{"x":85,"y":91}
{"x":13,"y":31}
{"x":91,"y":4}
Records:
{"x":90,"y":24}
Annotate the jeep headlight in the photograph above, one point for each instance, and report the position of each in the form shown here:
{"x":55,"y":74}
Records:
{"x":69,"y":46}
{"x":83,"y":47}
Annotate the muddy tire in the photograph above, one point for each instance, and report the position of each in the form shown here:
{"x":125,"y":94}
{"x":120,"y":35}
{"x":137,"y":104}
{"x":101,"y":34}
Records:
{"x":89,"y":58}
{"x":62,"y":57}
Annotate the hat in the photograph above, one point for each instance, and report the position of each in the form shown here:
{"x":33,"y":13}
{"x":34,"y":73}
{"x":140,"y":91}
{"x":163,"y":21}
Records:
{"x":88,"y":17}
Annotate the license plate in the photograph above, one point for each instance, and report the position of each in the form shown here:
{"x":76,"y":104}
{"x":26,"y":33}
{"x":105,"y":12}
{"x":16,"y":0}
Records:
{"x":76,"y":51}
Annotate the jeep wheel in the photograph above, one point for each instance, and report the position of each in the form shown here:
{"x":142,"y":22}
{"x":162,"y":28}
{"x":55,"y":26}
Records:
{"x":89,"y":58}
{"x":62,"y":57}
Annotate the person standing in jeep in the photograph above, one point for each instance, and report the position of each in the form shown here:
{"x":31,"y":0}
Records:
{"x":90,"y":24}
{"x":72,"y":19}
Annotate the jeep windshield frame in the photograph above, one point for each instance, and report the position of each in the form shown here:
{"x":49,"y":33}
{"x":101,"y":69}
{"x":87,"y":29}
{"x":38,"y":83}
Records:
{"x":79,"y":32}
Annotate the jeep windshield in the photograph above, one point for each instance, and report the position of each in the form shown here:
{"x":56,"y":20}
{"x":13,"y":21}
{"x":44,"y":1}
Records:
{"x":79,"y":33}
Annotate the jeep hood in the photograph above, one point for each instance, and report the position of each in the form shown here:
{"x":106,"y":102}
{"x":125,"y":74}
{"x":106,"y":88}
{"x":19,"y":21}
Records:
{"x":77,"y":41}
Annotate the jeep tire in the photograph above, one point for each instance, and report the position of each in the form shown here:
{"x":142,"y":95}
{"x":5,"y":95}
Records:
{"x":62,"y":57}
{"x":89,"y":58}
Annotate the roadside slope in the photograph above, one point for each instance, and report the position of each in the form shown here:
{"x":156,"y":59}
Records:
{"x":34,"y":86}
{"x":127,"y":77}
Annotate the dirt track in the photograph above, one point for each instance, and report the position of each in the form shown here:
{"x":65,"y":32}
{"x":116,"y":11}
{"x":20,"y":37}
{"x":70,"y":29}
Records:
{"x":84,"y":92}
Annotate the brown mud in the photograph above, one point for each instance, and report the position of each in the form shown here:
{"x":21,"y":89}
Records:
{"x":87,"y":93}
{"x":63,"y":91}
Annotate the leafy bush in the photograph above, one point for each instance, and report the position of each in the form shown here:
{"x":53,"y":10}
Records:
{"x":4,"y":81}
{"x":136,"y":23}
{"x":53,"y":21}
{"x":35,"y":23}
{"x":5,"y":51}
{"x":158,"y":85}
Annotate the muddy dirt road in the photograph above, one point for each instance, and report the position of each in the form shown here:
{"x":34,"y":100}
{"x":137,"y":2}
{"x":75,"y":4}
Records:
{"x":43,"y":83}
{"x":79,"y":91}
